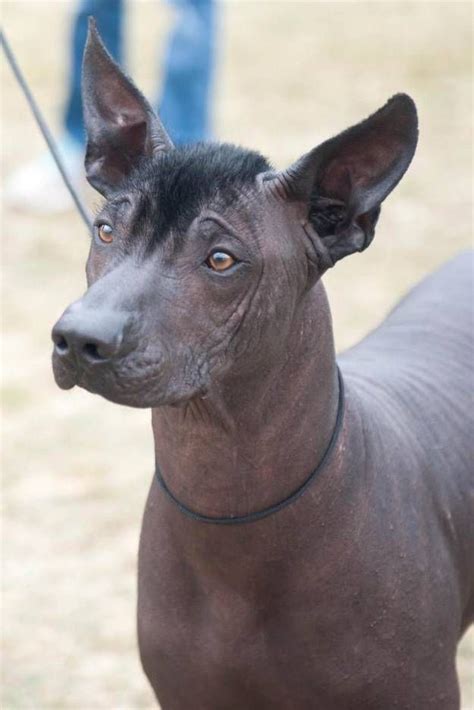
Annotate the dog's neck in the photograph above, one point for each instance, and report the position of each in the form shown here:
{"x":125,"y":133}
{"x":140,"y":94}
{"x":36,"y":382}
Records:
{"x":249,"y":445}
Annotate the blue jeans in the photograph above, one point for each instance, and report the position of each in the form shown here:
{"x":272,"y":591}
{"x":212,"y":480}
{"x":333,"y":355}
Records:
{"x":184,"y":106}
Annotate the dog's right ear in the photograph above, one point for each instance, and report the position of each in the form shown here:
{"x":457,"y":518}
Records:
{"x":120,"y":124}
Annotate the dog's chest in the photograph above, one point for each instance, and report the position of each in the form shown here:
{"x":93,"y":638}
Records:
{"x":208,"y":655}
{"x":219,"y":651}
{"x":252,"y":628}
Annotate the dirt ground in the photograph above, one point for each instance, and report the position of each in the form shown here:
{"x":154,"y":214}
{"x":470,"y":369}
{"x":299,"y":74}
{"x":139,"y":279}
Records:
{"x":76,"y":469}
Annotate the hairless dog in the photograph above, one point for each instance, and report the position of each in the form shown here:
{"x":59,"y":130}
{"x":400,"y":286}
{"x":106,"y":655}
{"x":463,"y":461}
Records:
{"x":307,"y":542}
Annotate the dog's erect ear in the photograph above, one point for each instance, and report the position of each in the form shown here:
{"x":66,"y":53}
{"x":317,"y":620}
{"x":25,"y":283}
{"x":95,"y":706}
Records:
{"x":345,"y":179}
{"x":120,"y":124}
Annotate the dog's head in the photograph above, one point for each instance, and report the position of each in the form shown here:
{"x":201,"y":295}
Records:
{"x":201,"y":256}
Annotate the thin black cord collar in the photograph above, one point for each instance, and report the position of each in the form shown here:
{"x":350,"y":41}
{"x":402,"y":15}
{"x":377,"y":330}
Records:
{"x":260,"y":514}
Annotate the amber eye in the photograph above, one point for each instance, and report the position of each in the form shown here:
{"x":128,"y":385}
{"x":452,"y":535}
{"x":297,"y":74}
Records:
{"x":220,"y":261}
{"x":106,"y":233}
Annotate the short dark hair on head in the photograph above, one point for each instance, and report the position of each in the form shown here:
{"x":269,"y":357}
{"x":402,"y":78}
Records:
{"x":175,"y":185}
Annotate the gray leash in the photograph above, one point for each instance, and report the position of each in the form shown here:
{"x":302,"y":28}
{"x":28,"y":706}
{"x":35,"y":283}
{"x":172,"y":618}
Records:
{"x":44,"y":129}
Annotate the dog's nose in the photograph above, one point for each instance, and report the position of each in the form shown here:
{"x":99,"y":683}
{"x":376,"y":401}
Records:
{"x":91,"y":336}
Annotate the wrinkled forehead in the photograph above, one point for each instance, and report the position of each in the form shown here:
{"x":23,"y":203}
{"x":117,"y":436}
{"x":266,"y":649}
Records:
{"x":171,"y":189}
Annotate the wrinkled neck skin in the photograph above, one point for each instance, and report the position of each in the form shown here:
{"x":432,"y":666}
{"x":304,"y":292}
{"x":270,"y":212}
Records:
{"x":252,"y":441}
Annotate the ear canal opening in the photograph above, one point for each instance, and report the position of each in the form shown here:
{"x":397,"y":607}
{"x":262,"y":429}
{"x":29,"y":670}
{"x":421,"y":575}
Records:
{"x":326,"y":214}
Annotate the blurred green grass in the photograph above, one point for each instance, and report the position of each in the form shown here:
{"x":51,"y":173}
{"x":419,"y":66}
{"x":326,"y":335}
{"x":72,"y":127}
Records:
{"x":77,"y":468}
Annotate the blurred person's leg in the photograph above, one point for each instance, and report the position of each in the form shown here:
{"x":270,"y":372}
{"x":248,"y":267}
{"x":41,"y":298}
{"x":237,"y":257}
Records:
{"x":38,"y":186}
{"x":189,"y":72}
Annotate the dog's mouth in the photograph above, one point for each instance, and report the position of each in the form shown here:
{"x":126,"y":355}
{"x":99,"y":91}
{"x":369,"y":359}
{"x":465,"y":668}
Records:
{"x":65,"y":372}
{"x":122,"y":382}
{"x":117,"y":382}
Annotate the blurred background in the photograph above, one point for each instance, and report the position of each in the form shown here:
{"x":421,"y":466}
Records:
{"x":76,"y":469}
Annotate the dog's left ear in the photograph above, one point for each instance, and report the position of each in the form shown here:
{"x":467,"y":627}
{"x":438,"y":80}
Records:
{"x":120,"y":124}
{"x":343,"y":181}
